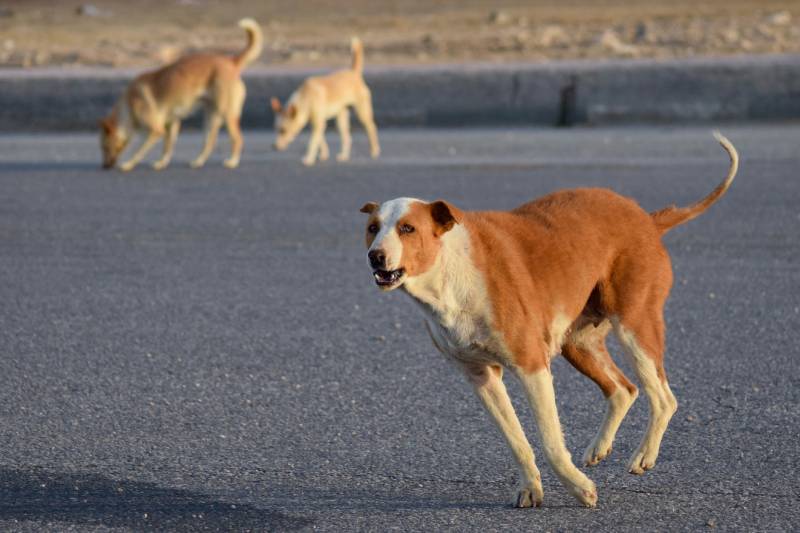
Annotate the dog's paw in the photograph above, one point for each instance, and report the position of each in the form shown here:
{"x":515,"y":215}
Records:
{"x":585,"y":492}
{"x":641,"y":461}
{"x":160,"y":164}
{"x":596,"y":452}
{"x":197,"y":163}
{"x":589,"y":498}
{"x":324,"y":156}
{"x":127,"y":167}
{"x":375,"y":154}
{"x":308,"y":161}
{"x":343,"y":157}
{"x":231,"y":162}
{"x":529,"y":496}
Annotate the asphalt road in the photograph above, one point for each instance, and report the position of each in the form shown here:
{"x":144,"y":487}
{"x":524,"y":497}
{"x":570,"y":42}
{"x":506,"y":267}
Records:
{"x":205,"y":350}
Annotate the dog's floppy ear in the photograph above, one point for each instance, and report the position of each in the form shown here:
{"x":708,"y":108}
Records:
{"x":276,"y":105}
{"x":370,"y":207}
{"x":105,"y":125}
{"x":445,"y":216}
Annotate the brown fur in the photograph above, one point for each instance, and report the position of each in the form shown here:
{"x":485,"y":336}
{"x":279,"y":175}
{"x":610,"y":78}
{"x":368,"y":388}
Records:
{"x":556,"y":251}
{"x":155,"y":103}
{"x":321,"y":98}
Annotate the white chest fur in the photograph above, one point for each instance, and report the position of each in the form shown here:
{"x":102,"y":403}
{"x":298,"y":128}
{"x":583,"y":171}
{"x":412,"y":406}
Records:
{"x":457,"y":308}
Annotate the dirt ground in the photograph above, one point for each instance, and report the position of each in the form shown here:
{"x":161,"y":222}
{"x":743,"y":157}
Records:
{"x":144,"y":33}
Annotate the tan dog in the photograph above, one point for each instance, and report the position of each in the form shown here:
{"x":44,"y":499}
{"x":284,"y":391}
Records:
{"x":155,"y":103}
{"x":320,"y":98}
{"x":513,"y":289}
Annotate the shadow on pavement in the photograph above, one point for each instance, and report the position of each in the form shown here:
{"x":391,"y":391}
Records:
{"x":90,"y":499}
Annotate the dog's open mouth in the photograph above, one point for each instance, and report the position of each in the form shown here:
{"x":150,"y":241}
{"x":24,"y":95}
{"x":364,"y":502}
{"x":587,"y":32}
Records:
{"x":388,"y":278}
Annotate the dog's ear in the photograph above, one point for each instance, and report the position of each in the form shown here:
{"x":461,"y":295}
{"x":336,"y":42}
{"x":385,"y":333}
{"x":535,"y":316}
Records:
{"x":105,"y":125}
{"x":370,"y":207}
{"x":276,"y":105}
{"x":445,"y":216}
{"x":292,"y":109}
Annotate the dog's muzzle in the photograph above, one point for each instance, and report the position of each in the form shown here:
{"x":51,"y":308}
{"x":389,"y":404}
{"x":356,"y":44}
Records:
{"x":388,"y":278}
{"x":384,"y":278}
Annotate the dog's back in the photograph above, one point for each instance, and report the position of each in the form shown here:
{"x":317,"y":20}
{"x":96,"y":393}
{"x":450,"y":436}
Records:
{"x":343,"y":87}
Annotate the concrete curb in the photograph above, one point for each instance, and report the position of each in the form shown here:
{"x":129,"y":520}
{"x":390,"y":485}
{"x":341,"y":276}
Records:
{"x":760,"y":88}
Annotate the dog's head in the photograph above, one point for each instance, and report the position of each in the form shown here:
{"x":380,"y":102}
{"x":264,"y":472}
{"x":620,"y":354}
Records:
{"x":288,"y":123}
{"x":404,"y":237}
{"x":112,"y":141}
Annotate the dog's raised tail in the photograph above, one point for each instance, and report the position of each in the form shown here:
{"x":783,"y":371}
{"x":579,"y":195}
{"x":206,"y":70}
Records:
{"x":357,"y":49}
{"x":672,"y":216}
{"x":255,"y":42}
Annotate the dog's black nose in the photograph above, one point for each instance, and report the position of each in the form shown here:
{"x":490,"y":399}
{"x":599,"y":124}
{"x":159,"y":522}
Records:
{"x":377,"y":259}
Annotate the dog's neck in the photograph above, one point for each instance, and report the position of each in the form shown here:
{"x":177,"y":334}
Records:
{"x":303,"y":106}
{"x":452,"y":286}
{"x":121,"y":116}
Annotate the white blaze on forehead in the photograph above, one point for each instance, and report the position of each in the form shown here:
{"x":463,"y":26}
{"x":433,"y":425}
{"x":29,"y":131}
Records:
{"x":387,"y":238}
{"x":393,"y":210}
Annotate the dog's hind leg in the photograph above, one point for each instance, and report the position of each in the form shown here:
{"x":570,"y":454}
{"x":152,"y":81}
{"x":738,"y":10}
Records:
{"x":212,"y":125}
{"x":151,"y":139}
{"x":324,"y":149}
{"x":488,"y":384}
{"x":539,"y":388}
{"x":643,"y":340}
{"x":169,"y":144}
{"x":586,"y":350}
{"x":232,"y":118}
{"x":363,"y":107}
{"x":638,"y":318}
{"x":343,"y":125}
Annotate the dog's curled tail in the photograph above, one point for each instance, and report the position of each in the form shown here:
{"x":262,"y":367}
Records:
{"x":255,"y":42}
{"x":671,"y":216}
{"x":357,"y":49}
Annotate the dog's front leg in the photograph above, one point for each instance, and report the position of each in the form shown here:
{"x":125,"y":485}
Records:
{"x":317,"y":133}
{"x":169,"y":144}
{"x":488,"y":384}
{"x":148,"y":143}
{"x":539,"y":388}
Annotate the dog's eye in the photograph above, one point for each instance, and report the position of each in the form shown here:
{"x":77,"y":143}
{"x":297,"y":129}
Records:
{"x":373,"y":228}
{"x":406,"y":228}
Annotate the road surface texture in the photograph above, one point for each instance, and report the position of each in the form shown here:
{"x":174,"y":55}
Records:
{"x":206,"y":350}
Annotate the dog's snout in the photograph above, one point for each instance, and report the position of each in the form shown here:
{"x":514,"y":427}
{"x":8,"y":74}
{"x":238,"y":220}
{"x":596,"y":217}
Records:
{"x":377,"y":259}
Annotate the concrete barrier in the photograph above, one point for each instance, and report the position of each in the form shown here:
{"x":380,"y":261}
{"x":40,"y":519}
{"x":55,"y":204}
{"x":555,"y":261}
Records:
{"x":758,"y":88}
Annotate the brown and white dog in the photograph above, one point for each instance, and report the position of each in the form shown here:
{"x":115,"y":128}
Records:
{"x":512,"y":289}
{"x":320,"y":98}
{"x":155,"y":103}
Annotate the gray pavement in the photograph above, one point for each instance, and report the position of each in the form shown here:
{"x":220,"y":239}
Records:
{"x":205,"y":350}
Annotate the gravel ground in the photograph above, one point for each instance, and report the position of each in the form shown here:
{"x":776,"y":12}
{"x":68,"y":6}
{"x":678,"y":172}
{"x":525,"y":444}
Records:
{"x":145,"y":33}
